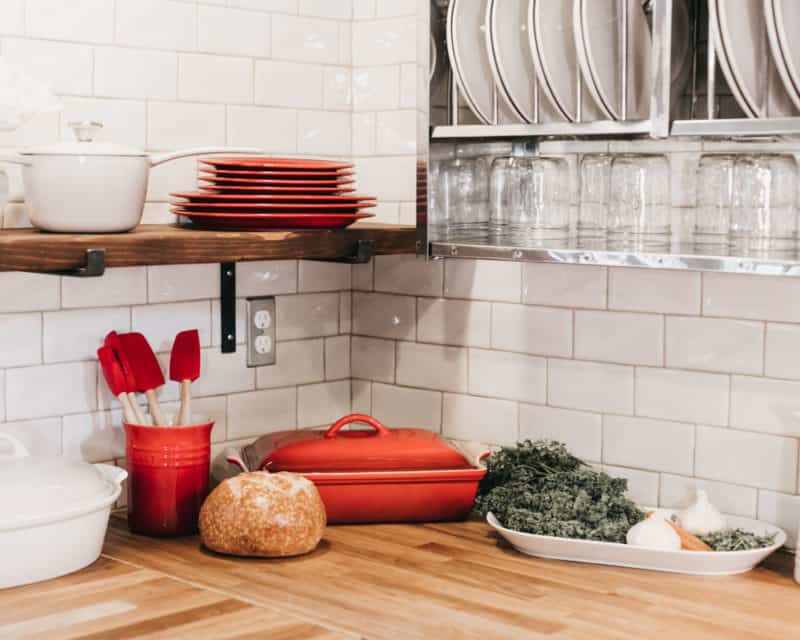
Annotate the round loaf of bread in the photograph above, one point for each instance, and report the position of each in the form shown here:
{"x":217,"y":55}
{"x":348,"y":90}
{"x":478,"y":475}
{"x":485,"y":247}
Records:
{"x":263,"y":514}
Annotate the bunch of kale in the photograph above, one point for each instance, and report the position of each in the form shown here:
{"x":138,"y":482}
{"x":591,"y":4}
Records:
{"x":737,"y":540}
{"x":539,"y":487}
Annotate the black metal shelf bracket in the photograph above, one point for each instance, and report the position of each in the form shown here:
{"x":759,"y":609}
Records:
{"x":227,"y":306}
{"x":94,"y":266}
{"x":362,"y":252}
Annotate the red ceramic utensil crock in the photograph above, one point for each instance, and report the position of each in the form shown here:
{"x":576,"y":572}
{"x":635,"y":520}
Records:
{"x":167,"y":477}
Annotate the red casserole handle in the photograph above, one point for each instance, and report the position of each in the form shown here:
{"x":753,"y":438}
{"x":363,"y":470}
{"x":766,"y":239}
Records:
{"x":356,"y":417}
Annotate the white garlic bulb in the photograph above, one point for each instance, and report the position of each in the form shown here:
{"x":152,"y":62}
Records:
{"x":701,"y":517}
{"x":654,"y":533}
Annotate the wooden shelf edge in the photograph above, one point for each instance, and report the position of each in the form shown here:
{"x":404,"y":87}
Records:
{"x":32,"y":250}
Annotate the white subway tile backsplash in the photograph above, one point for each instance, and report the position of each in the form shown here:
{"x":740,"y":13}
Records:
{"x":642,"y":485}
{"x":376,"y":88}
{"x":678,"y":492}
{"x":581,"y":432}
{"x":536,"y":330}
{"x":341,"y":9}
{"x":303,"y":39}
{"x":156,"y":24}
{"x":323,"y":276}
{"x":384,"y":316}
{"x":456,"y":322}
{"x":175,"y":125}
{"x":406,"y":407}
{"x":12,"y":17}
{"x":409,"y":81}
{"x":345,"y":312}
{"x":653,"y":290}
{"x":564,"y":285}
{"x":591,"y":386}
{"x":173,"y":283}
{"x":65,"y":68}
{"x":20,"y":339}
{"x":782,"y":347}
{"x":373,"y":359}
{"x":626,"y":338}
{"x":337,"y":358}
{"x":134,"y":73}
{"x":308,"y":315}
{"x":269,"y":6}
{"x":408,"y":274}
{"x":729,"y":346}
{"x":752,"y":459}
{"x":322,"y":404}
{"x":394,"y":177}
{"x":221,"y":373}
{"x":76,"y":335}
{"x":28,"y":292}
{"x":480,"y":419}
{"x":123,"y":120}
{"x":512,"y":376}
{"x":119,"y":286}
{"x":337,"y":94}
{"x":305,"y":79}
{"x":361,"y":396}
{"x":258,"y":412}
{"x":656,"y":445}
{"x":77,"y":20}
{"x":781,"y":510}
{"x":40,"y":437}
{"x":762,"y":404}
{"x":482,"y":280}
{"x":396,"y":133}
{"x":51,"y":390}
{"x":751,"y":297}
{"x":683,"y":396}
{"x":364,"y":134}
{"x":231,"y":31}
{"x":384,"y":42}
{"x":160,"y":323}
{"x":266,"y":278}
{"x":324,"y":133}
{"x":176,"y":175}
{"x":273,"y":130}
{"x":296,"y":362}
{"x":430,"y":366}
{"x":93,"y":437}
{"x":211,"y":78}
{"x":364,"y":9}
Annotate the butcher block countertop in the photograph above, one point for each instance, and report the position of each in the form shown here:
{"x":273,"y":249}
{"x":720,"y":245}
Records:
{"x":438,"y":581}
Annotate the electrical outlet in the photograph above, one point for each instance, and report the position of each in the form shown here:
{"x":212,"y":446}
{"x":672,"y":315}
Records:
{"x":260,"y":331}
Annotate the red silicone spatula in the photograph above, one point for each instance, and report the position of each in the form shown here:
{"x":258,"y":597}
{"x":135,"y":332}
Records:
{"x":184,"y":367}
{"x":113,"y":342}
{"x":146,"y":370}
{"x":116,"y":381}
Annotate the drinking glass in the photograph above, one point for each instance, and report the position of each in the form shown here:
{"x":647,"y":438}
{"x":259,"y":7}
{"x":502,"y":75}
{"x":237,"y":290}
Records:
{"x":764,"y":193}
{"x":639,"y":211}
{"x":530,"y":195}
{"x":715,"y":179}
{"x":464,"y":192}
{"x":439,"y":153}
{"x":595,"y":177}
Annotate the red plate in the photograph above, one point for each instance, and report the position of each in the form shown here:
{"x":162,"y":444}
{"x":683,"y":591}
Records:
{"x":236,"y":190}
{"x":280,"y":164}
{"x":276,"y":175}
{"x":222,"y":198}
{"x":255,"y":207}
{"x":278,"y":182}
{"x":257,"y":222}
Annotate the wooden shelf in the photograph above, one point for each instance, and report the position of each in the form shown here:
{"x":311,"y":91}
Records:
{"x":31,"y":250}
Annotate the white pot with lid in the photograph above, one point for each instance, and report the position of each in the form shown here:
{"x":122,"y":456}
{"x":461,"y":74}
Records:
{"x":91,"y":187}
{"x":53,"y":513}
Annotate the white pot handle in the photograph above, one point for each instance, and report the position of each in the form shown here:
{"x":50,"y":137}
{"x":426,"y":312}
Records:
{"x":15,"y":158}
{"x":160,"y":158}
{"x":18,"y":449}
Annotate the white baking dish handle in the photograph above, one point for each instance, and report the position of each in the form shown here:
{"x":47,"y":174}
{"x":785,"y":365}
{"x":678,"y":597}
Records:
{"x":160,"y":158}
{"x":15,"y":158}
{"x":18,"y":449}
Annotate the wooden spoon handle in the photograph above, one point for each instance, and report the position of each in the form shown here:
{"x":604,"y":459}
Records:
{"x":185,"y":413}
{"x":137,"y":410}
{"x":155,"y":408}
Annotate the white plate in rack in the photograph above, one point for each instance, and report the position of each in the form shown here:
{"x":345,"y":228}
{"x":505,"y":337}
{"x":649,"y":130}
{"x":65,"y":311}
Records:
{"x":785,"y":50}
{"x":703,"y":563}
{"x":466,"y":27}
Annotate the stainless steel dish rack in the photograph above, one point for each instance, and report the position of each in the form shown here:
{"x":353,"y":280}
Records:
{"x":706,"y":112}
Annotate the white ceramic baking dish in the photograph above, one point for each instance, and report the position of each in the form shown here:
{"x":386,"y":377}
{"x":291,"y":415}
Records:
{"x":53,"y":513}
{"x":704,"y":563}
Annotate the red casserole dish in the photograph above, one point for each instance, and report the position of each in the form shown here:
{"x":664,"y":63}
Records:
{"x":379,"y":475}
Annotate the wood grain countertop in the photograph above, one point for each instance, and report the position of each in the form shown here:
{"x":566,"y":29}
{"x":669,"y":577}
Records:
{"x":438,"y":581}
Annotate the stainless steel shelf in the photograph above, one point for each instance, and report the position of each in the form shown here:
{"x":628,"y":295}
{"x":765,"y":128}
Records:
{"x":607,"y":128}
{"x":485,"y":246}
{"x":737,"y":127}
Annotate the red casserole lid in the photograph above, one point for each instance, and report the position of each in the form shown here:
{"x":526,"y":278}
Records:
{"x":379,"y":449}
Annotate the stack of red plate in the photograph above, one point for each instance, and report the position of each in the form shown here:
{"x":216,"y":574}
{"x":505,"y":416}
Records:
{"x":269,"y":193}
